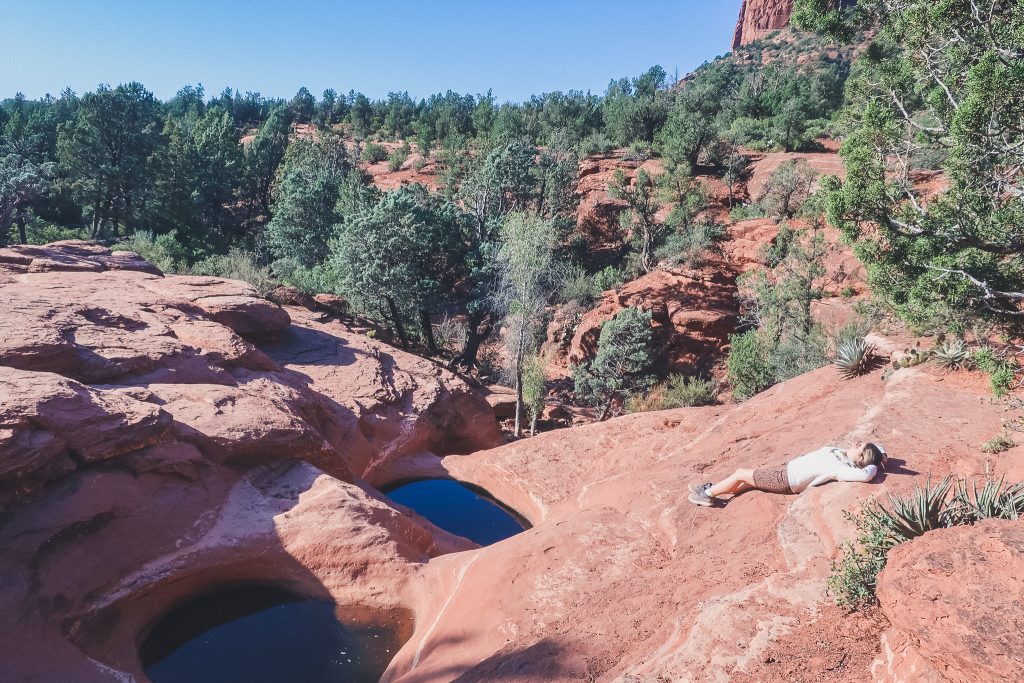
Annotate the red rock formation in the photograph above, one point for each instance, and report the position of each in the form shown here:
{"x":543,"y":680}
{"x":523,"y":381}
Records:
{"x":758,"y":18}
{"x":953,"y":598}
{"x":188,"y":464}
{"x":693,"y":311}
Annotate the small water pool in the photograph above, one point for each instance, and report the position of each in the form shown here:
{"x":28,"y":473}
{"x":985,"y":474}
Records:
{"x":265,"y":634}
{"x":459,"y":509}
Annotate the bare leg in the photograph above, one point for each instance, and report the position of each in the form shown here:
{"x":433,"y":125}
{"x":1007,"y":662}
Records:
{"x":740,"y":481}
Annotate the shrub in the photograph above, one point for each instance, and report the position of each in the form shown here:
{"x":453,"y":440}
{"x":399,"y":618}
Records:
{"x":995,"y":500}
{"x":621,"y":366}
{"x":597,"y":143}
{"x":750,"y":369}
{"x":743,"y":212}
{"x":163,"y":251}
{"x":609,"y":278}
{"x":1001,"y":371}
{"x":373,"y":152}
{"x":690,"y":244}
{"x":854,"y":358}
{"x":788,"y":188}
{"x":578,"y":286}
{"x":450,"y":334}
{"x":398,"y":157}
{"x":678,"y":391}
{"x":879,"y":528}
{"x":419,"y":164}
{"x":639,"y":151}
{"x":237,"y":264}
{"x":998,"y":444}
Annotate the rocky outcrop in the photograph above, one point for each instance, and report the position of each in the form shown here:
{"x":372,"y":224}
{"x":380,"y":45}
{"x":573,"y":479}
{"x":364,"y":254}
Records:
{"x":693,"y":312}
{"x":758,"y":18}
{"x":150,"y":452}
{"x":162,"y":434}
{"x":953,"y":598}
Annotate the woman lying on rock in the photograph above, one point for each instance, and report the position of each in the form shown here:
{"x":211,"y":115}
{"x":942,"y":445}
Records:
{"x":860,"y":463}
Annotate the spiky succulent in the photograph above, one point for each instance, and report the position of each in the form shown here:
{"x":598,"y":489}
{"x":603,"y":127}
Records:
{"x":994,"y":500}
{"x":952,"y":354}
{"x":854,"y":358}
{"x":926,"y":509}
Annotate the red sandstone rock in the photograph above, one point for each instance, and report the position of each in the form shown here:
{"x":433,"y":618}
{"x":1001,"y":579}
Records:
{"x":620,"y":578}
{"x":956,"y":596}
{"x":758,"y":18}
{"x":693,"y":313}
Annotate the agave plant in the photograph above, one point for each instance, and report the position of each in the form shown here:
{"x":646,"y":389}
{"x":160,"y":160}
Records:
{"x":994,"y":500}
{"x":854,"y":358}
{"x":926,"y":509}
{"x":952,"y":354}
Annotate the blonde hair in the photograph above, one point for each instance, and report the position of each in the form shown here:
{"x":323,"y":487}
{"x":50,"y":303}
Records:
{"x":869,"y":455}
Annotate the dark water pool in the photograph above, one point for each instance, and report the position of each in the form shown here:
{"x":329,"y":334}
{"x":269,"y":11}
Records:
{"x":264,"y":634}
{"x":459,"y":509}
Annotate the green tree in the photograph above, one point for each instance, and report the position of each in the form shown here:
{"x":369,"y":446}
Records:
{"x":403,"y":256}
{"x":787,"y":188}
{"x":105,"y":152}
{"x":306,"y":205}
{"x":526,"y":282}
{"x":622,"y":364}
{"x":640,"y":218}
{"x":945,"y":77}
{"x":22,"y":183}
{"x":262,"y":157}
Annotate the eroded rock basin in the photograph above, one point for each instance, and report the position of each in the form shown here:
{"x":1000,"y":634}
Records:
{"x":459,"y":508}
{"x":266,"y":634}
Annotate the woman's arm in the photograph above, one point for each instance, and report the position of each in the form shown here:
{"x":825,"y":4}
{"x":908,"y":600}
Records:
{"x":846,"y":474}
{"x":857,"y":473}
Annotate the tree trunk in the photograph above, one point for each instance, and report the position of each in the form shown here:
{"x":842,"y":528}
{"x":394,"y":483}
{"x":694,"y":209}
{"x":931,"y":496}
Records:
{"x":22,"y":237}
{"x":533,"y":424}
{"x":517,"y":430}
{"x":607,"y":409}
{"x":396,"y":321}
{"x":428,"y":332}
{"x":478,"y":330}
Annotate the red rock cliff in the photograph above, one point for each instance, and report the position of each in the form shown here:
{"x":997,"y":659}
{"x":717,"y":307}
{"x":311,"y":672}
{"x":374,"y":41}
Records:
{"x":760,"y":17}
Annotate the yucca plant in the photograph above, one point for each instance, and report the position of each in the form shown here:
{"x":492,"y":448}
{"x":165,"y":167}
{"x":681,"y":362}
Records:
{"x":994,"y":500}
{"x":926,"y":509}
{"x":952,"y":354}
{"x":854,"y":358}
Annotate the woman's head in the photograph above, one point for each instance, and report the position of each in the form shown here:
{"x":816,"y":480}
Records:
{"x":866,"y":453}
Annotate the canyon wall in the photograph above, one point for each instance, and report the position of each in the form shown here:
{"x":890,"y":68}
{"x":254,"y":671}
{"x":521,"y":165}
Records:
{"x":758,"y":18}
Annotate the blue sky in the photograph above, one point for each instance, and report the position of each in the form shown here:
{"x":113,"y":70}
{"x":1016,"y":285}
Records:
{"x":516,"y":48}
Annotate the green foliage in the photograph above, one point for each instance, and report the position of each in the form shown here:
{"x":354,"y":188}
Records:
{"x":994,"y":500}
{"x":237,"y":264}
{"x":608,"y":278}
{"x":677,"y":391}
{"x":373,"y":152}
{"x":1001,"y":371}
{"x":398,"y":157}
{"x":743,"y":212}
{"x":751,"y":368}
{"x":691,"y":244}
{"x":640,"y":218}
{"x":163,"y":251}
{"x":787,"y":188}
{"x":998,"y":444}
{"x":785,"y":341}
{"x":880,"y":528}
{"x":622,"y":364}
{"x":307,"y":203}
{"x":534,"y":387}
{"x":955,"y":255}
{"x":854,"y":357}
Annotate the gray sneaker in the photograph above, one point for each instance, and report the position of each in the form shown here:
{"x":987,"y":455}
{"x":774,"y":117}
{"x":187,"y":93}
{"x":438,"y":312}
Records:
{"x":700,"y":487}
{"x":699,"y":495}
